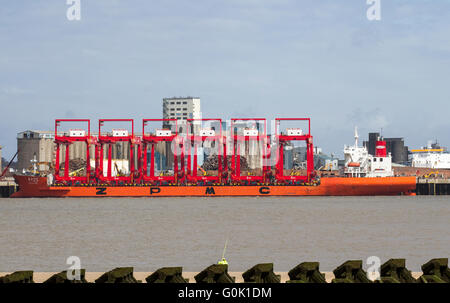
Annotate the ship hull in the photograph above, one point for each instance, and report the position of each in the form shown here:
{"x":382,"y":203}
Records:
{"x":30,"y":186}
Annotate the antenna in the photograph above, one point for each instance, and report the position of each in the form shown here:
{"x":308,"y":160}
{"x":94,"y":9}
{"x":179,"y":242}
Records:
{"x":225,"y":248}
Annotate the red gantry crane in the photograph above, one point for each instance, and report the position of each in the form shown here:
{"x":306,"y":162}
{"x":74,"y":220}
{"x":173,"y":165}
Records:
{"x":294,"y":134}
{"x":109,"y":140}
{"x":66,"y":139}
{"x":244,"y":131}
{"x":197,"y":136}
{"x":168,"y":133}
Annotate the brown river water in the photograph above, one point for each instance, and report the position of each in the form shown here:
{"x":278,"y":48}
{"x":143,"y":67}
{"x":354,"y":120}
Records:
{"x":148,"y":233}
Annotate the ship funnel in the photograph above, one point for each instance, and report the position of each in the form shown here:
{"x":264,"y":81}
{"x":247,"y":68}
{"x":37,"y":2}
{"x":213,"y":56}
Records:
{"x":380,"y":150}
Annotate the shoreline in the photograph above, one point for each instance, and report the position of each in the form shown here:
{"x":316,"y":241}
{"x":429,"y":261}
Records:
{"x":40,"y":277}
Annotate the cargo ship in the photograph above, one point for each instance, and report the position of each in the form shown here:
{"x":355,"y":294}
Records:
{"x":363,"y":174}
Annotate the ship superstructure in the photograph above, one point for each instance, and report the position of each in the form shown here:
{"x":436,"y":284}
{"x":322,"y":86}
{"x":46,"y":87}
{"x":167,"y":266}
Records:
{"x":431,"y":156}
{"x":359,"y":163}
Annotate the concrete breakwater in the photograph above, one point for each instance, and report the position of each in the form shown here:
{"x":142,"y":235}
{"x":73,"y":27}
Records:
{"x":392,"y":271}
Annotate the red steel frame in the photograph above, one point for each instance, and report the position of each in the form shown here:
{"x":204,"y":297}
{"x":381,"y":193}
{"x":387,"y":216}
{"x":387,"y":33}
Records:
{"x":195,"y":140}
{"x":282,"y":140}
{"x":67,"y":140}
{"x":110,"y":140}
{"x":152,"y":140}
{"x":236,"y":158}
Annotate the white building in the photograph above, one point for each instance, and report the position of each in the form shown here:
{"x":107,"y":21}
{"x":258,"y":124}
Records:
{"x":181,"y":108}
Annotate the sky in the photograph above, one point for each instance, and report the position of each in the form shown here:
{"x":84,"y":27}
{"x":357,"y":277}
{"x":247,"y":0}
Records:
{"x":321,"y":59}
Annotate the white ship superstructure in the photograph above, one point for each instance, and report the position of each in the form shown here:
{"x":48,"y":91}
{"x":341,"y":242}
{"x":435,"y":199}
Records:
{"x":432,"y":156}
{"x":359,"y":163}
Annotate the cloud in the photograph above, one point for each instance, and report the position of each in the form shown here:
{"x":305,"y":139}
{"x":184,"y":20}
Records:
{"x":70,"y":114}
{"x":375,"y":119}
{"x":90,"y":52}
{"x":15,"y":91}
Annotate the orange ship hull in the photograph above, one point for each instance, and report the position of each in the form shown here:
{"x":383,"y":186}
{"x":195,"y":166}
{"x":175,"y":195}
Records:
{"x":30,"y":186}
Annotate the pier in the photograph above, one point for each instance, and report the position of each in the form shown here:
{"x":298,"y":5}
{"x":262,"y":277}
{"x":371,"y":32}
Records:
{"x":7,"y":187}
{"x":433,"y":187}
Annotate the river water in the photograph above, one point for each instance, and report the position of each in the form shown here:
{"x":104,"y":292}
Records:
{"x":149,"y":233}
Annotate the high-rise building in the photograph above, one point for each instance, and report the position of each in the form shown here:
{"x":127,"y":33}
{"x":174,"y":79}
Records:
{"x":181,"y":108}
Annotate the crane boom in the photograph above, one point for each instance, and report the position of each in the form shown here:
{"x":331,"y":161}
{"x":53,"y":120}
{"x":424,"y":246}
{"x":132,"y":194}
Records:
{"x":7,"y":166}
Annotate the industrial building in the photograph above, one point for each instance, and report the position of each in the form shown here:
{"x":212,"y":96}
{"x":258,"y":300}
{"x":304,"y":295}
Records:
{"x":34,"y":145}
{"x":395,"y":146}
